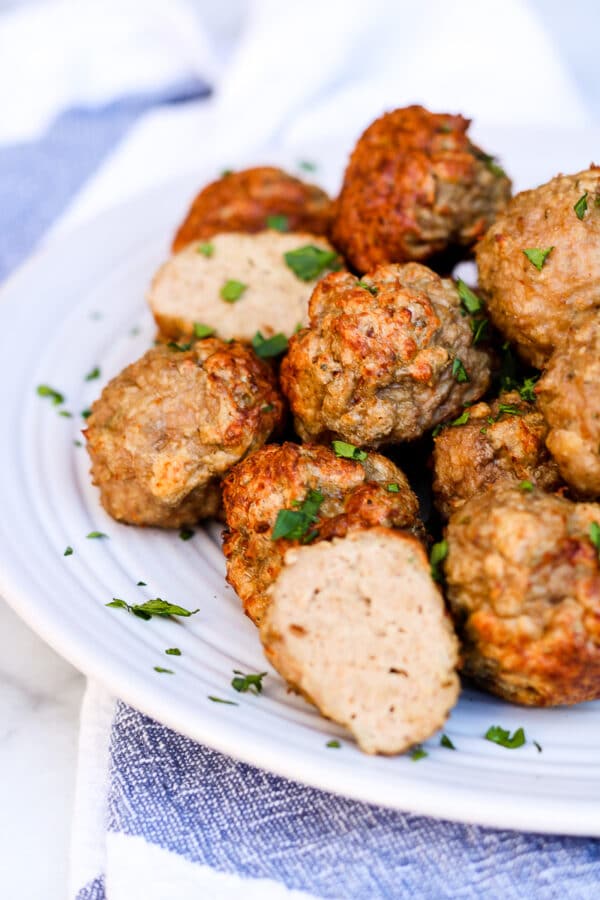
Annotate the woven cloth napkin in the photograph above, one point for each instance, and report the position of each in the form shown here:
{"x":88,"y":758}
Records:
{"x":157,"y":816}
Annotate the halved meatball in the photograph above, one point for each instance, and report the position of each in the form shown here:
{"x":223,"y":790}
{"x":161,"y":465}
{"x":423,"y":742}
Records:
{"x":342,"y":494}
{"x":358,"y":626}
{"x":165,"y":431}
{"x":569,"y":396}
{"x":523,"y":578}
{"x":245,"y":201}
{"x":532,"y":298}
{"x":415,"y":187}
{"x":384,"y":359}
{"x":243,"y":286}
{"x":502,"y":441}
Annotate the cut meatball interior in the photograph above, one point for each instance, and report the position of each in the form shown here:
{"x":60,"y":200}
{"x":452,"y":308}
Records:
{"x":358,"y":626}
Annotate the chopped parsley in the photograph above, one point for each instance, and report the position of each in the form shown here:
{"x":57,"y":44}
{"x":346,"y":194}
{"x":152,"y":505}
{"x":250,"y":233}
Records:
{"x":308,"y":262}
{"x":265,"y":348}
{"x":232,"y":290}
{"x":206,"y":249}
{"x":68,"y":551}
{"x":594,"y":534}
{"x":278,"y":223}
{"x":418,"y":753}
{"x":490,"y":162}
{"x":226,"y":172}
{"x":333,"y":744}
{"x":526,"y":486}
{"x":459,"y":371}
{"x":393,"y":488}
{"x":371,"y":288}
{"x":503,"y":737}
{"x":173,"y":651}
{"x":479,"y":327}
{"x":307,"y":166}
{"x":581,"y":206}
{"x":267,"y":408}
{"x":96,"y":534}
{"x":538,"y":256}
{"x":156,"y":607}
{"x":527,"y":389}
{"x":348,"y":451}
{"x":141,"y":584}
{"x":202,"y":331}
{"x":469,"y":298}
{"x":226,"y":702}
{"x":65,"y":413}
{"x":77,"y":444}
{"x":294,"y":524}
{"x":537,"y":746}
{"x":439,"y":552}
{"x":86,"y":413}
{"x":186,"y":534}
{"x":164,"y":671}
{"x":508,"y":410}
{"x":462,"y":419}
{"x":446,"y":742}
{"x":173,"y":345}
{"x":94,"y":373}
{"x":247,"y":683}
{"x":44,"y":390}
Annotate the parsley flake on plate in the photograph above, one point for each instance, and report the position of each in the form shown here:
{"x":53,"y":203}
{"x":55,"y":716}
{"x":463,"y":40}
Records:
{"x":581,"y":206}
{"x":308,"y":262}
{"x":537,"y":746}
{"x":44,"y":390}
{"x":278,"y":223}
{"x":538,"y":256}
{"x":446,"y":742}
{"x":203,"y":331}
{"x":232,"y":290}
{"x":156,"y":607}
{"x":333,"y":744}
{"x":459,"y":371}
{"x":439,"y":552}
{"x":247,"y":683}
{"x":498,"y":735}
{"x":173,"y":651}
{"x":186,"y":534}
{"x":163,"y":671}
{"x":94,"y":373}
{"x":348,"y":451}
{"x":65,"y":413}
{"x":307,"y":166}
{"x":86,"y":413}
{"x":265,"y":348}
{"x":141,"y":584}
{"x":294,"y":524}
{"x":68,"y":551}
{"x":469,"y":298}
{"x":206,"y":249}
{"x":96,"y":534}
{"x":226,"y":702}
{"x":418,"y":753}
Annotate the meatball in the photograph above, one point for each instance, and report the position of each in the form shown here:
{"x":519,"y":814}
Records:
{"x":523,"y":578}
{"x":244,"y":286}
{"x":384,"y":359}
{"x":165,"y":430}
{"x":569,"y":396}
{"x":359,"y":627}
{"x":531,"y":299}
{"x":245,"y":201}
{"x":415,"y":186}
{"x":342,"y":494}
{"x":502,"y":441}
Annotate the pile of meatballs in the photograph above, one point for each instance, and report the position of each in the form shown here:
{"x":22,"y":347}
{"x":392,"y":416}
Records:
{"x":315,"y":360}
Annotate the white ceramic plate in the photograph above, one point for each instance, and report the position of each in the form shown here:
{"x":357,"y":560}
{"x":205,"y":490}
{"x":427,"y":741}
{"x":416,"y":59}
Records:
{"x":80,"y":303}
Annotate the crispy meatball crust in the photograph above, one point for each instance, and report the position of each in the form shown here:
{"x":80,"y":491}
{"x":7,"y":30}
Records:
{"x":243,"y":201}
{"x":569,"y":396}
{"x":187,"y":289}
{"x":523,"y":583}
{"x":164,"y":431}
{"x":530,"y":307}
{"x":358,"y":626}
{"x":415,"y":186}
{"x":376,"y":364}
{"x":275,"y":478}
{"x":502,"y":441}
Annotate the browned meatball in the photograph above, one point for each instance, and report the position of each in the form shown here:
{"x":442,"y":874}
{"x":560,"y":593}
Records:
{"x":415,"y":186}
{"x":523,"y":580}
{"x":501,"y":441}
{"x":354,"y":495}
{"x":532,"y":303}
{"x":243,"y":201}
{"x":165,"y":430}
{"x":569,"y":396}
{"x":384,"y":359}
